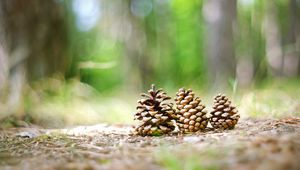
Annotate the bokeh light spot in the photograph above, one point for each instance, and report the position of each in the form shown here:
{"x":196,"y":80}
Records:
{"x":87,"y":13}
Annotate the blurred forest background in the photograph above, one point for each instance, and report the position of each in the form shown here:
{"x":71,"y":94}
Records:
{"x":66,"y":62}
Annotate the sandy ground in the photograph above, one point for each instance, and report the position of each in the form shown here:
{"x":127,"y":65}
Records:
{"x":253,"y":144}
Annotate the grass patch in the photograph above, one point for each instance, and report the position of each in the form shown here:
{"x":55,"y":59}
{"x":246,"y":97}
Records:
{"x":57,"y":103}
{"x":277,"y":99}
{"x":185,"y":158}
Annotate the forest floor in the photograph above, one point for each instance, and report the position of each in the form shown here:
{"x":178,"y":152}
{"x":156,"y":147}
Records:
{"x":253,"y":144}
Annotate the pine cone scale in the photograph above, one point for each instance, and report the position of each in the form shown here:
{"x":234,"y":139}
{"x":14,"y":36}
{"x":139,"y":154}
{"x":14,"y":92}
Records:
{"x":154,"y":114}
{"x":190,"y":111}
{"x":223,"y":116}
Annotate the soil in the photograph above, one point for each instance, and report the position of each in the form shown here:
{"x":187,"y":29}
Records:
{"x":253,"y":144}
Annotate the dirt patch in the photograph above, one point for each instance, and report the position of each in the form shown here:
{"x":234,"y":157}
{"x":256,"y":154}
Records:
{"x":253,"y":144}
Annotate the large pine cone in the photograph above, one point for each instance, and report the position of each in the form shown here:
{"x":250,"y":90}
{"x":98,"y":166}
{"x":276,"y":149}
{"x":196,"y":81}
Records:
{"x":224,"y":115}
{"x":191,"y":114}
{"x":154,"y":113}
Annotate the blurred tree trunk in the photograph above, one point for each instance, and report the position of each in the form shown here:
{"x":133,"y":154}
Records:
{"x":273,"y":40}
{"x":291,"y":51}
{"x":138,"y":64}
{"x":130,"y":30}
{"x":34,"y":40}
{"x":137,"y":47}
{"x":3,"y":70}
{"x":3,"y":61}
{"x":295,"y":12}
{"x":221,"y":16}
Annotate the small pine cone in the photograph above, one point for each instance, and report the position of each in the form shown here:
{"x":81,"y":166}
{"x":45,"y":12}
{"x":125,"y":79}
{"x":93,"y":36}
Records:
{"x":154,"y":114}
{"x":191,"y":114}
{"x":224,"y":115}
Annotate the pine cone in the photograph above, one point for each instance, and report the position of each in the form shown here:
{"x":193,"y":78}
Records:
{"x":191,"y":114}
{"x":154,"y":113}
{"x":224,"y":115}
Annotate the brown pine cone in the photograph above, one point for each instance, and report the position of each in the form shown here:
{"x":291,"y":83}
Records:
{"x":154,"y":113}
{"x":224,"y":115}
{"x":191,"y":114}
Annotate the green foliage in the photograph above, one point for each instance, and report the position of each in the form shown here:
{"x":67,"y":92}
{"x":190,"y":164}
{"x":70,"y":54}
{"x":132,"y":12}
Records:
{"x":157,"y":133}
{"x":250,"y":40}
{"x":174,"y":53}
{"x":57,"y":102}
{"x":111,"y":63}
